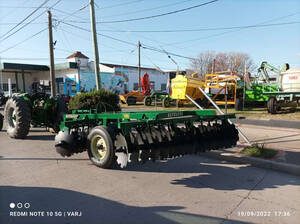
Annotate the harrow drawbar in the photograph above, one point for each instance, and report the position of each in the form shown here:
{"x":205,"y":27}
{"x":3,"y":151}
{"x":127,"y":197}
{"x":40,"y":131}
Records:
{"x":137,"y":137}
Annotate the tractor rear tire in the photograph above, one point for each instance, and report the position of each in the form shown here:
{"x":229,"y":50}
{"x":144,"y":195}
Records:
{"x":17,"y":116}
{"x":130,"y":100}
{"x":238,"y":104}
{"x":61,"y":110}
{"x":100,"y":147}
{"x":272,"y":105}
{"x":166,"y":102}
{"x":147,"y":101}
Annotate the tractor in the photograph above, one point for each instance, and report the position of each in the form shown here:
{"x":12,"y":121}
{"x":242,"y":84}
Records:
{"x":136,"y":95}
{"x":37,"y":109}
{"x":157,"y":96}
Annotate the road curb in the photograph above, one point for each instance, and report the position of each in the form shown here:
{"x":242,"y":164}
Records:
{"x":257,"y":162}
{"x":270,"y":123}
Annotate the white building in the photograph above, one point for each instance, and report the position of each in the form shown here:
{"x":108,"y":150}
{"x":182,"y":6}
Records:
{"x":77,"y":74}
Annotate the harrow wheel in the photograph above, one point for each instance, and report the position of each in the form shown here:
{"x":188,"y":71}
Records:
{"x":100,"y":147}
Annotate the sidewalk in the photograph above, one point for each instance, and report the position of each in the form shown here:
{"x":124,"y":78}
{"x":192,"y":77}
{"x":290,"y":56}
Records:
{"x":285,"y":140}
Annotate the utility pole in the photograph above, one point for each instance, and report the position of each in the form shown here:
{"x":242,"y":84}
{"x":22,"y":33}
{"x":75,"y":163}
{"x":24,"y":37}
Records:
{"x":52,"y":68}
{"x":139,"y":66}
{"x":95,"y":45}
{"x":213,"y":66}
{"x":244,"y":89}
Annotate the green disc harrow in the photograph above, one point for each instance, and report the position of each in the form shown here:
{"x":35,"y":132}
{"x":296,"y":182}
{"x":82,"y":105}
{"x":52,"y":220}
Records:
{"x":137,"y":137}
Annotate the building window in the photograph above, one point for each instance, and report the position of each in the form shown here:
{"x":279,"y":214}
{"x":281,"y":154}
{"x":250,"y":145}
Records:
{"x":152,"y":84}
{"x":135,"y":86}
{"x":163,"y":86}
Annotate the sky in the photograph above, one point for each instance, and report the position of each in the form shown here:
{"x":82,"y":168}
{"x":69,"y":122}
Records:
{"x":275,"y":37}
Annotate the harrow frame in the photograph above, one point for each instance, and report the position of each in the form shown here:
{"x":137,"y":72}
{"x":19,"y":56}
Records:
{"x":143,"y":131}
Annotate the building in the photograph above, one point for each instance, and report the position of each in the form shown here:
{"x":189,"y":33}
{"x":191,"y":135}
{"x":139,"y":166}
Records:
{"x":77,"y":74}
{"x":23,"y":76}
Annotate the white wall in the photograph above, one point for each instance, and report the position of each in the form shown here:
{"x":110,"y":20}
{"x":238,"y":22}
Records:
{"x":155,"y":76}
{"x":67,"y":73}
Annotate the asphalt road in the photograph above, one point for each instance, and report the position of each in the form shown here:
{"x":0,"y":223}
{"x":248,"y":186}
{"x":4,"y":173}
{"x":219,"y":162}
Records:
{"x":191,"y":189}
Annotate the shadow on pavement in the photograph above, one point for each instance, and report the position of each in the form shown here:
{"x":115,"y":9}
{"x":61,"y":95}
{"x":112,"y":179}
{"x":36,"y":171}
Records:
{"x":218,"y":175}
{"x":48,"y":137}
{"x":91,"y":209}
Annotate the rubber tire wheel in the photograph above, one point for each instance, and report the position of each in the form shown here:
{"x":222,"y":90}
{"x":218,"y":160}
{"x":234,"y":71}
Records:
{"x":61,"y":110}
{"x":109,"y":159}
{"x":272,"y":105}
{"x":130,"y":100}
{"x":1,"y":122}
{"x":23,"y":117}
{"x":166,"y":102}
{"x":238,"y":104}
{"x":147,"y":101}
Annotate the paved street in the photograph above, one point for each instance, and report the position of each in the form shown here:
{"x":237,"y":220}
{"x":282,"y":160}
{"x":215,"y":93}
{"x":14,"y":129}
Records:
{"x":192,"y":189}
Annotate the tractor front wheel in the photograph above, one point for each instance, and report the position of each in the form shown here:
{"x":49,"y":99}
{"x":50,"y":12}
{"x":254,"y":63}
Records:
{"x":17,"y":116}
{"x":101,"y":148}
{"x":147,"y":101}
{"x":166,"y":102}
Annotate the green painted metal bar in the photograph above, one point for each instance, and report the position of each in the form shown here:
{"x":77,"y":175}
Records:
{"x":126,"y":120}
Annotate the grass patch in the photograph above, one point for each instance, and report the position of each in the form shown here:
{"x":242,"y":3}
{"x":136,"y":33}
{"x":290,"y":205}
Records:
{"x":259,"y":151}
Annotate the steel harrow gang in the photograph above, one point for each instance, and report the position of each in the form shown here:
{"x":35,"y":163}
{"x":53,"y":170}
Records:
{"x":119,"y":138}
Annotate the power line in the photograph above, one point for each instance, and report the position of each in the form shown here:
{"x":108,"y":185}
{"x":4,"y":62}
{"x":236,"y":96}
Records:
{"x":24,"y":40}
{"x":113,"y":38}
{"x":19,"y":23}
{"x":71,"y":14}
{"x":149,"y":9}
{"x":231,"y":31}
{"x":29,"y":22}
{"x":120,"y":4}
{"x":153,"y":16}
{"x":129,"y":43}
{"x":5,"y":24}
{"x":80,"y":37}
{"x":201,"y":29}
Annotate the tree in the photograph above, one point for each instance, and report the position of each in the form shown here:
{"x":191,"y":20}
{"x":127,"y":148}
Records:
{"x":203,"y":63}
{"x":223,"y":61}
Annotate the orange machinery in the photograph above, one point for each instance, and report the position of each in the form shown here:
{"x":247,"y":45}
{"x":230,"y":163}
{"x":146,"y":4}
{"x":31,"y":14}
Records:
{"x":136,"y":96}
{"x":222,"y":87}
